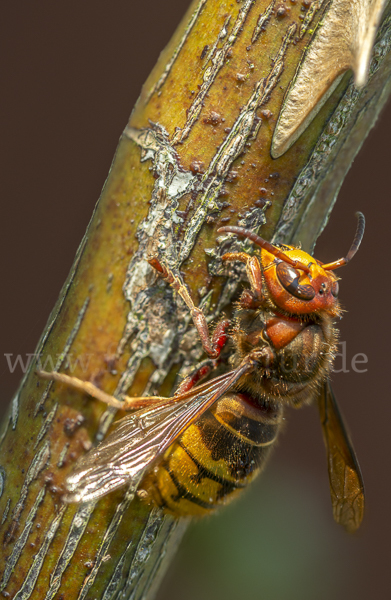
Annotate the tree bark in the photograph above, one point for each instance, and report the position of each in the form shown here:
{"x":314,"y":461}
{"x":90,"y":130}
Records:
{"x":194,"y":156}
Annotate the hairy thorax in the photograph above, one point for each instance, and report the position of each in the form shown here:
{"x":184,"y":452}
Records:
{"x":300,"y":353}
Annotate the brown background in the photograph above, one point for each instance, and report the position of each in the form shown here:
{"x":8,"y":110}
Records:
{"x":70,"y":74}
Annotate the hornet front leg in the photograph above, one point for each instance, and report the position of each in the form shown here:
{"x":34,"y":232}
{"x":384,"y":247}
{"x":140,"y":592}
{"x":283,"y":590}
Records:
{"x":212,"y":346}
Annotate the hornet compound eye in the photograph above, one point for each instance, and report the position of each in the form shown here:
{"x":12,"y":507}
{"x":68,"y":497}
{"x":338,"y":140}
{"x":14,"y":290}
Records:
{"x":289,"y":279}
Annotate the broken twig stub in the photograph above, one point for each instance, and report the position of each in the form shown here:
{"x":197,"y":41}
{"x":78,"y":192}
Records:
{"x":195,"y":155}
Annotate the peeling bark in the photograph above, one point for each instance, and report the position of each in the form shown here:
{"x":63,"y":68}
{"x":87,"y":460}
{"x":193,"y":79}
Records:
{"x":194,"y":155}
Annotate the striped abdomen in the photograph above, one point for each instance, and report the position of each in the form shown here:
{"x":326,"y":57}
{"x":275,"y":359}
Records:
{"x":216,"y":457}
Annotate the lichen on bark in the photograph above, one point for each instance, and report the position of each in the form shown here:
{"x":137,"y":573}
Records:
{"x":194,"y":155}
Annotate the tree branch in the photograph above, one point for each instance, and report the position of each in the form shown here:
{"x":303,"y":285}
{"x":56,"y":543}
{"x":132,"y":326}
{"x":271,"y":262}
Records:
{"x":194,"y":155}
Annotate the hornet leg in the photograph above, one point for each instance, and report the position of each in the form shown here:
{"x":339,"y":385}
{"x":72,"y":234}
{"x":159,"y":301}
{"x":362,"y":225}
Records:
{"x":212,"y":346}
{"x":250,"y":298}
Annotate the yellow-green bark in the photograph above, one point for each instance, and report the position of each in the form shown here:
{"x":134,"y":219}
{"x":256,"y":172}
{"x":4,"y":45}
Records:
{"x":120,"y":322}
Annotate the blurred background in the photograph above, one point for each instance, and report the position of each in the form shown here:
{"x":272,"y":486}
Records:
{"x":71,"y":72}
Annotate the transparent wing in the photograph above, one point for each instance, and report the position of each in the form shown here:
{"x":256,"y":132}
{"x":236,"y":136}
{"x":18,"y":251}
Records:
{"x":142,"y":436}
{"x":346,"y":483}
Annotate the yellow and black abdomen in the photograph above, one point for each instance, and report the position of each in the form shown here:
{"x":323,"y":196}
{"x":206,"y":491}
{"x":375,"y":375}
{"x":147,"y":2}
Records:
{"x":215,"y":457}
